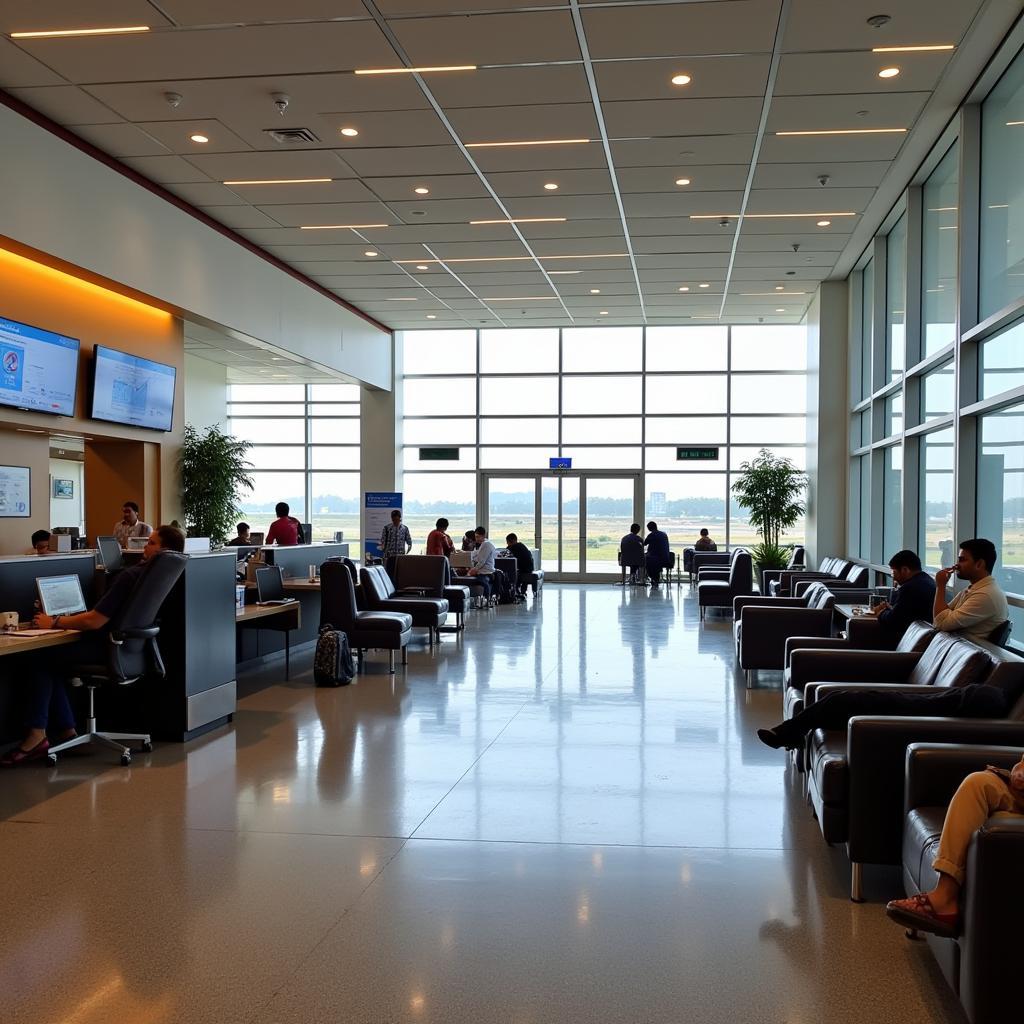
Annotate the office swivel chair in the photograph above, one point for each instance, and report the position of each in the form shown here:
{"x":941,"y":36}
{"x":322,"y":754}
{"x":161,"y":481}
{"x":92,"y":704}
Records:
{"x":131,"y":654}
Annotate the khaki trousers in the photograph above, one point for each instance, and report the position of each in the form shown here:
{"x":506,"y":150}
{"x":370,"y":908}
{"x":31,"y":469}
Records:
{"x":982,"y":795}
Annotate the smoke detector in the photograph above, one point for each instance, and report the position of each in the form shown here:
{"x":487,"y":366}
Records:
{"x":878,"y":20}
{"x":281,"y":101}
{"x":173,"y":99}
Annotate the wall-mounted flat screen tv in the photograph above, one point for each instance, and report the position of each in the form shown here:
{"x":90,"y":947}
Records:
{"x":38,"y":369}
{"x":131,"y":390}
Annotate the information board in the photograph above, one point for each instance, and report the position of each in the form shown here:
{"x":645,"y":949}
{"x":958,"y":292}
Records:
{"x":377,"y":509}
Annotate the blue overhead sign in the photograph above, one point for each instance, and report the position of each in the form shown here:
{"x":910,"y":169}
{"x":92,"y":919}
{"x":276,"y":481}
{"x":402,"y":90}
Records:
{"x":560,"y":463}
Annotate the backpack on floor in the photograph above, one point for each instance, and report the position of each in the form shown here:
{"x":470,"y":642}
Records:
{"x":332,"y":662}
{"x":504,"y":590}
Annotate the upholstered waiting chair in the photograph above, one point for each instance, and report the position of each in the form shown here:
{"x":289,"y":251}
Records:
{"x":131,"y":654}
{"x":720,"y":593}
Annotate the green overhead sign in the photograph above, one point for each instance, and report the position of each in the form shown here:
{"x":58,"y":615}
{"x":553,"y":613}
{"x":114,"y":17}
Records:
{"x":696,"y":455}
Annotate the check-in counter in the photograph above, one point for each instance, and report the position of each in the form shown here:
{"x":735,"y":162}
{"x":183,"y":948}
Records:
{"x":294,"y":562}
{"x":197,"y":642}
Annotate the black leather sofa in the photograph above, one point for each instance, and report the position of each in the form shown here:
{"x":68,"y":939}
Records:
{"x":719,"y":593}
{"x":380,"y":596}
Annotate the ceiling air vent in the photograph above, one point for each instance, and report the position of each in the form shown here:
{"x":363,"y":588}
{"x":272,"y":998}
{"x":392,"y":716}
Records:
{"x":291,"y":136}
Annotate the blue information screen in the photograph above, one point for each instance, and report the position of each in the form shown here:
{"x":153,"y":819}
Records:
{"x":560,"y":463}
{"x":38,"y":369}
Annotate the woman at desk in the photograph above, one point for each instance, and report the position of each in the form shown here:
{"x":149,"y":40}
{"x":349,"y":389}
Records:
{"x":49,"y":709}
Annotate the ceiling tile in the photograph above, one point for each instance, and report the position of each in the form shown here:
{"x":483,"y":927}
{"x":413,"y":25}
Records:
{"x":165,"y":169}
{"x":511,"y":86}
{"x":854,"y":174}
{"x":67,"y":105}
{"x":121,"y":139}
{"x":544,"y":121}
{"x":19,"y":69}
{"x":294,"y":215}
{"x":226,"y":12}
{"x":694,"y":149}
{"x":175,"y":136}
{"x":710,"y":78}
{"x":801,"y":74}
{"x":681,"y":117}
{"x":240,"y":217}
{"x":489,"y":38}
{"x":442,"y":186}
{"x":302,"y":163}
{"x":703,"y":178}
{"x":855,"y":110}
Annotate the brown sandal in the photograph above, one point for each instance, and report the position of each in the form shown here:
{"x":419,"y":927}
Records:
{"x":918,"y":913}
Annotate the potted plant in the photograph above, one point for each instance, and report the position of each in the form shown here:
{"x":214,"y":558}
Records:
{"x":771,"y":489}
{"x":213,"y":471}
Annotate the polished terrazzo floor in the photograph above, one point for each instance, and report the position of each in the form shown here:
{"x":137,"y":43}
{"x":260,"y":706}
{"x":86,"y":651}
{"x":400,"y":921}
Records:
{"x":562,"y":816}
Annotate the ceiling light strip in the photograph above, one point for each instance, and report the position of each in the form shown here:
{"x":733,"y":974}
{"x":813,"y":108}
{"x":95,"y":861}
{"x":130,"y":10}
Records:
{"x":762,"y":127}
{"x":845,"y":131}
{"x":280,"y":181}
{"x":522,"y":220}
{"x":386,"y":29}
{"x":65,"y":33}
{"x":912,"y":49}
{"x":515,"y":259}
{"x":588,"y":67}
{"x":341,"y":227}
{"x":764,"y":216}
{"x":416,"y":70}
{"x":526,"y":142}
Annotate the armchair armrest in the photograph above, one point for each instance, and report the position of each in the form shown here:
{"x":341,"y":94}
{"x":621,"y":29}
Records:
{"x":865,"y":634}
{"x":876,"y":750}
{"x":934,"y":770}
{"x":136,"y":633}
{"x":850,"y":666}
{"x":712,"y":574}
{"x":763,"y":601}
{"x":765,"y":628}
{"x":814,"y":643}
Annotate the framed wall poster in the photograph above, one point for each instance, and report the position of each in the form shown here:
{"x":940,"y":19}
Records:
{"x":15,"y":492}
{"x":63,"y":488}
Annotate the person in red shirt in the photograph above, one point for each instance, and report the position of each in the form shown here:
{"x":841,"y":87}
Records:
{"x":438,"y":541}
{"x":285,"y":528}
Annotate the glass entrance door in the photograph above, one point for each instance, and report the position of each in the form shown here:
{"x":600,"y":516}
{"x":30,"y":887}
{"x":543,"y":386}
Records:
{"x":575,"y":518}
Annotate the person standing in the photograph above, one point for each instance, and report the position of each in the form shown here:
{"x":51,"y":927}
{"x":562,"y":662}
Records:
{"x":284,"y":530}
{"x":438,"y":541}
{"x":131,"y":525}
{"x":656,"y":543}
{"x":978,"y":610}
{"x":395,"y":538}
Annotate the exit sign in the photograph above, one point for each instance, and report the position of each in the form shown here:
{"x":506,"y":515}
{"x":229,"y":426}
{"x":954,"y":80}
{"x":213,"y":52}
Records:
{"x":696,"y":455}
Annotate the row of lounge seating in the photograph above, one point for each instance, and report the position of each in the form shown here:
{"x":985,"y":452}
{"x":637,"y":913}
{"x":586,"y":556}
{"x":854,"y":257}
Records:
{"x":881,"y":786}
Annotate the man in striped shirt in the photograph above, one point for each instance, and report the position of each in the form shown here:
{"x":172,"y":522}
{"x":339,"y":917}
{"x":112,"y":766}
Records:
{"x":395,"y":539}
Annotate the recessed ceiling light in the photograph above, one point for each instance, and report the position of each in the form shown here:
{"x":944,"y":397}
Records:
{"x":682,"y":181}
{"x":522,"y":220}
{"x":603,"y":312}
{"x":422,"y":266}
{"x":780,"y":287}
{"x":551,"y":186}
{"x":704,"y":284}
{"x":350,"y":133}
{"x":681,"y":79}
{"x":421,"y":190}
{"x":64,"y":32}
{"x":371,"y":252}
{"x":824,"y":223}
{"x":280,"y":181}
{"x":341,"y":227}
{"x":911,"y":49}
{"x":888,"y":72}
{"x":418,"y":71}
{"x":780,"y":311}
{"x":526,"y":142}
{"x":199,"y":138}
{"x":595,"y":291}
{"x":684,"y":288}
{"x":846,"y":131}
{"x":430,"y":316}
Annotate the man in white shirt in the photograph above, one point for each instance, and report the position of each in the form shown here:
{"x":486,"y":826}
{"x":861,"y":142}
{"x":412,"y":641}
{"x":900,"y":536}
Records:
{"x":131,"y":525}
{"x":978,"y":610}
{"x":483,"y":560}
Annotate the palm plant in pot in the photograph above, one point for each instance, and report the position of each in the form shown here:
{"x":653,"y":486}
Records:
{"x":214,"y":469}
{"x":771,"y":489}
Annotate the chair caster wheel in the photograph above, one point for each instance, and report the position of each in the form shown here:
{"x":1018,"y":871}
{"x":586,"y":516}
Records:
{"x":51,"y":759}
{"x":147,"y":747}
{"x":126,"y":759}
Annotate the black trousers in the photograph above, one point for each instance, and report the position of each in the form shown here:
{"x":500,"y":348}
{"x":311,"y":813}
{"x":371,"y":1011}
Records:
{"x":835,"y":710}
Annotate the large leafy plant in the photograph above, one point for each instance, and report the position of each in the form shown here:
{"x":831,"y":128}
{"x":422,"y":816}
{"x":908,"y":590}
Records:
{"x":214,"y":470}
{"x":771,"y":489}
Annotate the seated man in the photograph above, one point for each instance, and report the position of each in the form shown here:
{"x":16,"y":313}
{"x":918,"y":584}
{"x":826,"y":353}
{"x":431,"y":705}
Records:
{"x":704,"y":542}
{"x":469,"y":540}
{"x":40,"y":542}
{"x":438,"y":541}
{"x":980,"y":796}
{"x":242,"y":537}
{"x":631,"y":551}
{"x":483,"y":560}
{"x":834,"y":711}
{"x":914,"y":598}
{"x":48,"y":705}
{"x":284,"y":530}
{"x":656,"y":543}
{"x":978,"y":610}
{"x":524,"y":560}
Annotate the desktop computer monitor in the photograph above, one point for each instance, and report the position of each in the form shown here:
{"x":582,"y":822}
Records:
{"x":110,"y":553}
{"x":60,"y":595}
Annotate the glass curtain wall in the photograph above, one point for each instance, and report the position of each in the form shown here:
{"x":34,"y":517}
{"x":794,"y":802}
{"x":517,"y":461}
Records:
{"x":944,"y":437}
{"x":622,"y":398}
{"x":305,"y":452}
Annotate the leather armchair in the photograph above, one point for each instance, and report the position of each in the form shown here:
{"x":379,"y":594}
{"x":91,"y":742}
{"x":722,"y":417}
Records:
{"x":720,"y":593}
{"x":429,"y":576}
{"x":381,"y":596}
{"x":702,"y":560}
{"x":796,"y":561}
{"x":365,"y":629}
{"x":834,"y":569}
{"x":992,"y":903}
{"x":855,"y":578}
